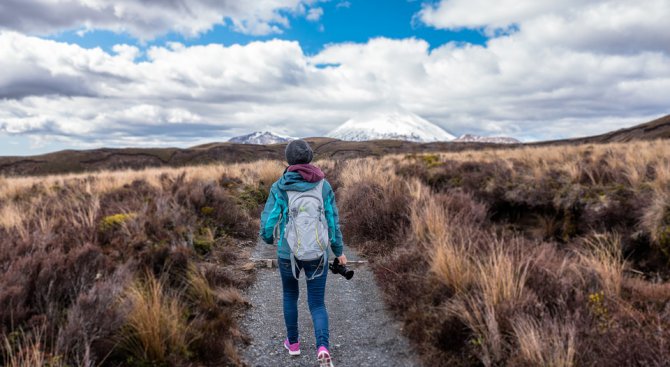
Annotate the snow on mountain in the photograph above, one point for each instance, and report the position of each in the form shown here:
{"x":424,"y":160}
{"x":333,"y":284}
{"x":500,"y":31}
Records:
{"x":395,"y":125}
{"x":261,"y":138}
{"x":469,"y":138}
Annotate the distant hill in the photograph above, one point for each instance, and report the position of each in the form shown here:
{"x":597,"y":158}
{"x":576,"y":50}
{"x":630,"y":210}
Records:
{"x":656,"y":129}
{"x":136,"y":158}
{"x":261,"y":138}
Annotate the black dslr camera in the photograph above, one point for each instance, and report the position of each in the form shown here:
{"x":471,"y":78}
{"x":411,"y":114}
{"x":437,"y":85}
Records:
{"x":336,"y":268}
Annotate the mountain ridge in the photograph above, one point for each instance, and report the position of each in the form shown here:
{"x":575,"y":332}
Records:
{"x":72,"y":161}
{"x":470,"y":138}
{"x":261,"y":138}
{"x":392,"y":125}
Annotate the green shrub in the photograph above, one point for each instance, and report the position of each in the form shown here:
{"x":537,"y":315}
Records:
{"x":115,"y":221}
{"x":207,"y":211}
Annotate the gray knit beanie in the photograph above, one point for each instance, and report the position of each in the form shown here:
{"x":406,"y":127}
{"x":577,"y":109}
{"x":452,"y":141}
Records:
{"x":298,"y":152}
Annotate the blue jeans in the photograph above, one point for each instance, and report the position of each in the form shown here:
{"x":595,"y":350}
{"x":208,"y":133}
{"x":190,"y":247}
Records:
{"x":316,"y":290}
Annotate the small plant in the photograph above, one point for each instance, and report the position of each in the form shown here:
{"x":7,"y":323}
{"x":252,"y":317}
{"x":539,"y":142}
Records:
{"x":207,"y":211}
{"x":599,"y":310}
{"x":430,"y":160}
{"x":115,"y":221}
{"x":253,"y":196}
{"x":204,"y":241}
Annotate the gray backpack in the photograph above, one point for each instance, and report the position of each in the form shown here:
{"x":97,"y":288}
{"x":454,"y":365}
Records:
{"x":307,"y":230}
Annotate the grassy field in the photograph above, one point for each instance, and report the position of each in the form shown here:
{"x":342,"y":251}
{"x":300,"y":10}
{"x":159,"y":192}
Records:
{"x":535,"y":256}
{"x":545,"y":256}
{"x":138,"y":268}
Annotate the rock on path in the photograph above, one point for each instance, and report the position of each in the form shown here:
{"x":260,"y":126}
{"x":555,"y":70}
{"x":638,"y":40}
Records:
{"x":361,"y":331}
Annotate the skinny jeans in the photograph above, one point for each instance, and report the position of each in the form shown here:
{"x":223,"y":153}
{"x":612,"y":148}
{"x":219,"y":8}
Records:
{"x":316,"y":289}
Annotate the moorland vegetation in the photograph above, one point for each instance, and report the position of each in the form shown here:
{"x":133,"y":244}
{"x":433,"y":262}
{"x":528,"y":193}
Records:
{"x":533,"y":256}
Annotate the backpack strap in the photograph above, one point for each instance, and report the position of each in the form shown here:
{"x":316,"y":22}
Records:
{"x":322,"y":264}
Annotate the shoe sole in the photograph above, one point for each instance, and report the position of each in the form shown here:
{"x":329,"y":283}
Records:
{"x":325,"y":361}
{"x":296,"y":353}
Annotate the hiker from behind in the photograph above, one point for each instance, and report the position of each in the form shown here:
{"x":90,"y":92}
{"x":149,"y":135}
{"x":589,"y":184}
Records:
{"x":302,"y":203}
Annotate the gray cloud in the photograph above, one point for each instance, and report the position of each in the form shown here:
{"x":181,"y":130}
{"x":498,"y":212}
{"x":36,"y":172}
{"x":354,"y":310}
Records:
{"x":43,"y":85}
{"x":146,"y":19}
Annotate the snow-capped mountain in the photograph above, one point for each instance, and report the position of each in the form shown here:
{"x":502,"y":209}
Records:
{"x":395,"y":125}
{"x":261,"y":138}
{"x":469,"y":138}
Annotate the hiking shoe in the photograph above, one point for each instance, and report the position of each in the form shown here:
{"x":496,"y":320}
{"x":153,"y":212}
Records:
{"x":323,"y":356}
{"x":293,"y":349}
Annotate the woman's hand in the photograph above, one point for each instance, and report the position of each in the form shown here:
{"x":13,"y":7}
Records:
{"x":342,"y":259}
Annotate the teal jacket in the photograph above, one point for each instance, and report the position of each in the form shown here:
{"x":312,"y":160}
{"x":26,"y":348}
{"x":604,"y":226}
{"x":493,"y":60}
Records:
{"x":276,"y":210}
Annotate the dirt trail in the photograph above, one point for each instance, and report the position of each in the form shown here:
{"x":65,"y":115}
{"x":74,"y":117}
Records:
{"x":361,"y":331}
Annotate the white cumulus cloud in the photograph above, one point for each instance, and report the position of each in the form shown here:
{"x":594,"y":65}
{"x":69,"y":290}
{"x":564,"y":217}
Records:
{"x":562,"y":71}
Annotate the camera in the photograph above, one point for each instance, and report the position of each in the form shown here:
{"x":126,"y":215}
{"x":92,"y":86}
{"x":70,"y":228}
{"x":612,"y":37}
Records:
{"x":336,"y":268}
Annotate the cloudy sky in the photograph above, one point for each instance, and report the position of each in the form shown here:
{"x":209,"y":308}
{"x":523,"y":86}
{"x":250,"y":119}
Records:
{"x":91,"y":73}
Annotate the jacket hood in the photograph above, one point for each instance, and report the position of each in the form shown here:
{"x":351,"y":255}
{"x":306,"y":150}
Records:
{"x":293,"y":181}
{"x":309,"y":172}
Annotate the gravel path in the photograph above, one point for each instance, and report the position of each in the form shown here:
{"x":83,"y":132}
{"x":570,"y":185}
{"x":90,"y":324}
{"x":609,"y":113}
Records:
{"x":361,"y":332}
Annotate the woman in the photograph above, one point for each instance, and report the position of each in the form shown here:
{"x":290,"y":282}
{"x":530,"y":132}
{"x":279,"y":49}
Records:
{"x":302,"y":177}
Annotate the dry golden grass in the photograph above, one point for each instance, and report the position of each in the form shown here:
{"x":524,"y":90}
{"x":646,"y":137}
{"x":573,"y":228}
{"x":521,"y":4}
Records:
{"x":550,"y":343}
{"x":105,"y":181}
{"x":453,"y":264}
{"x":480,"y":317}
{"x":199,"y":290}
{"x":603,"y":255}
{"x":429,"y":221}
{"x":502,"y":274}
{"x":156,"y":326}
{"x":451,"y":260}
{"x":22,"y":349}
{"x":630,"y":159}
{"x":267,"y":172}
{"x":11,"y":216}
{"x":656,"y":218}
{"x":369,"y":170}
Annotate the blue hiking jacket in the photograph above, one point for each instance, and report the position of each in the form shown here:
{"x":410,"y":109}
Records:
{"x":276,"y":210}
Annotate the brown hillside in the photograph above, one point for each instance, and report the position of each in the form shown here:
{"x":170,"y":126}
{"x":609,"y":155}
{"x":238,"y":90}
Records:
{"x":656,"y":129}
{"x":135,"y":158}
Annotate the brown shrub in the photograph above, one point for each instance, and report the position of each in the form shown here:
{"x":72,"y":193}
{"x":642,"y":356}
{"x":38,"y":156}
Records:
{"x":371,"y":212}
{"x":94,"y":319}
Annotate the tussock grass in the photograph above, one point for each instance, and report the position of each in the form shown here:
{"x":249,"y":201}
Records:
{"x":369,"y":170}
{"x":453,"y":264}
{"x":546,"y":343}
{"x":11,"y":216}
{"x":602,"y":254}
{"x":656,"y":219}
{"x":501,"y":274}
{"x":480,"y":317}
{"x":156,"y":326}
{"x":22,"y":349}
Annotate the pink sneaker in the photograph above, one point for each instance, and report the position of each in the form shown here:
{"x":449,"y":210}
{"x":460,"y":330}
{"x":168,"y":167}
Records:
{"x":323,"y":356}
{"x":293,"y":349}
